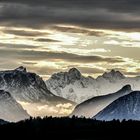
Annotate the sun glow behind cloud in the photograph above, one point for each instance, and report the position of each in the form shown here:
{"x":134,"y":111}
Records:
{"x":35,"y":109}
{"x":74,"y":40}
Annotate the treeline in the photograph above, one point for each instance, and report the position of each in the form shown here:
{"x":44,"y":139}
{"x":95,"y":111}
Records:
{"x":70,"y":129}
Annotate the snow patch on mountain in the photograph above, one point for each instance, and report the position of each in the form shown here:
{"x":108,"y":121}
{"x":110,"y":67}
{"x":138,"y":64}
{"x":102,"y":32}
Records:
{"x":26,"y":86}
{"x":30,"y":89}
{"x":74,"y":86}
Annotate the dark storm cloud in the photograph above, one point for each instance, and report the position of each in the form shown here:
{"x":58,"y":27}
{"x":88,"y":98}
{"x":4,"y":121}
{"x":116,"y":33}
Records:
{"x":23,"y":32}
{"x":46,"y":40}
{"x":105,"y":14}
{"x":69,"y":57}
{"x":55,"y":56}
{"x":78,"y":30}
{"x":29,"y":63}
{"x":16,"y":47}
{"x":119,"y":5}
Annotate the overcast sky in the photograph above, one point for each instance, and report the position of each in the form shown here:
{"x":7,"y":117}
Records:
{"x":48,"y":36}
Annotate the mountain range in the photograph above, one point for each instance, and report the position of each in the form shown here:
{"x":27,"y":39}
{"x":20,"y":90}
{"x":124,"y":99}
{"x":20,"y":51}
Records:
{"x":26,"y":86}
{"x":96,"y":96}
{"x":29,"y":90}
{"x":24,"y":94}
{"x":73,"y":86}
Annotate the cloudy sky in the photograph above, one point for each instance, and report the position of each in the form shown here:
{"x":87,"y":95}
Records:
{"x":48,"y":36}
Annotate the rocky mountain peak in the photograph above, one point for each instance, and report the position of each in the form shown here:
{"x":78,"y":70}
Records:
{"x":23,"y":85}
{"x":113,"y":74}
{"x":74,"y":73}
{"x":21,"y":69}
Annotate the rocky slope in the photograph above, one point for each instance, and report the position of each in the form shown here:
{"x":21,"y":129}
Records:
{"x":31,"y":92}
{"x":94,"y":105}
{"x":126,"y":107}
{"x":10,"y":110}
{"x":26,"y":86}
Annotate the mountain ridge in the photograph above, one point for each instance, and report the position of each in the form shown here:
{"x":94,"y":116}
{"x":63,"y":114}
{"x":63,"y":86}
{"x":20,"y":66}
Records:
{"x":31,"y":86}
{"x":126,"y":107}
{"x":94,"y":105}
{"x":83,"y":88}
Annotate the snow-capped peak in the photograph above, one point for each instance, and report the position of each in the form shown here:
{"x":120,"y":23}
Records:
{"x":74,"y":86}
{"x":113,"y":74}
{"x":67,"y":77}
{"x":21,"y":69}
{"x":74,"y":73}
{"x":30,"y":85}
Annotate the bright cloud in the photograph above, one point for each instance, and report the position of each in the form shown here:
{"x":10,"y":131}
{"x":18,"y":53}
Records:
{"x":54,"y":49}
{"x":35,"y":109}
